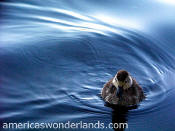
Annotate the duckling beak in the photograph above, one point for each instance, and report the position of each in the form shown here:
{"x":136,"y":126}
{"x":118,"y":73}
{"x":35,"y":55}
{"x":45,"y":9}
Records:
{"x":120,"y":91}
{"x":120,"y":87}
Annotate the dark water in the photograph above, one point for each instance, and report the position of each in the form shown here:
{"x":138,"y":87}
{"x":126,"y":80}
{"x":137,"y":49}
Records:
{"x":55,"y":57}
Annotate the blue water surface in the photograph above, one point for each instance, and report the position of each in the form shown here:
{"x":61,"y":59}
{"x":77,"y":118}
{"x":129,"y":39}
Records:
{"x":56,"y":55}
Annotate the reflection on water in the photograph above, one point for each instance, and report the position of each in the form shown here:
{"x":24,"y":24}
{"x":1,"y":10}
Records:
{"x":55,"y":57}
{"x":120,"y":116}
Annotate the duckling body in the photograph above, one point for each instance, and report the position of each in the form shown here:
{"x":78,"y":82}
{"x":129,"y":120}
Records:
{"x":122,"y":90}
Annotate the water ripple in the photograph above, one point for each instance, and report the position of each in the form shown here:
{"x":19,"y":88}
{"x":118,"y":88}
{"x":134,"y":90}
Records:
{"x":56,"y":60}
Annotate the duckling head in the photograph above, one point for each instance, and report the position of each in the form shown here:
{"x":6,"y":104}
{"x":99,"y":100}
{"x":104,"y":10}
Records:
{"x":122,"y":80}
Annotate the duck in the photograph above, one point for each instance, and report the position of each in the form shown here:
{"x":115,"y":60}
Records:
{"x":122,"y":90}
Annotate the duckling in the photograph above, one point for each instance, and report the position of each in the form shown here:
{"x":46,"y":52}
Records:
{"x":122,"y":90}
